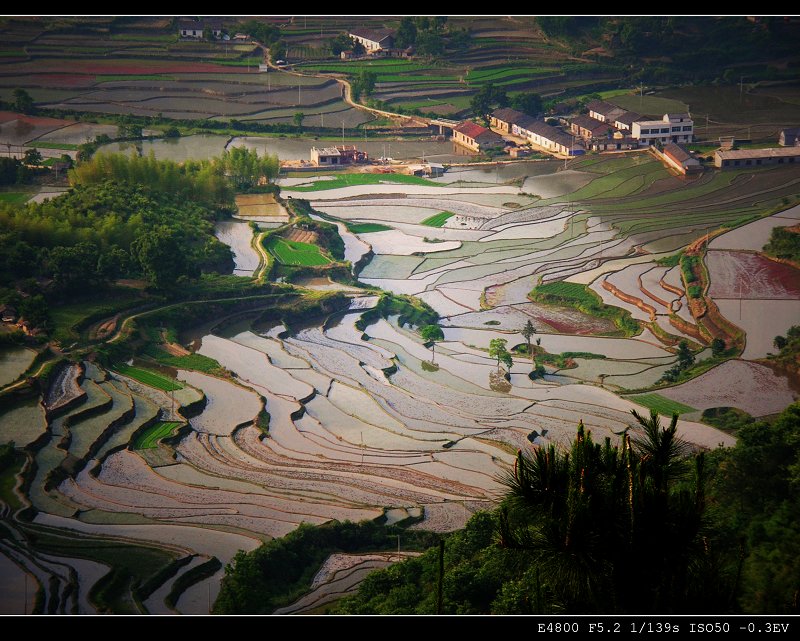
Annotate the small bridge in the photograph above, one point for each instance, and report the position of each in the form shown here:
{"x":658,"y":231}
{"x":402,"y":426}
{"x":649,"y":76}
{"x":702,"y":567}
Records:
{"x":444,"y":123}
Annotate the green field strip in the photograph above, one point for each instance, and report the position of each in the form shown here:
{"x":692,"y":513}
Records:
{"x":349,"y":180}
{"x":148,"y":377}
{"x":438,"y":220}
{"x":15,"y":197}
{"x":366,"y":228}
{"x":153,"y":434}
{"x":661,"y":404}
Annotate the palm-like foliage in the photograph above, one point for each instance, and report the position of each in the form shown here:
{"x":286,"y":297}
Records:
{"x":613,"y":528}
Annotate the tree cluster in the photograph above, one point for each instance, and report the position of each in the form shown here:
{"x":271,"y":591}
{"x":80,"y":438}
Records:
{"x":684,"y":362}
{"x":784,"y":244}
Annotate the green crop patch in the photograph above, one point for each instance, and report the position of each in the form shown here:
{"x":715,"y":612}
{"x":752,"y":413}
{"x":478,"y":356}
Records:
{"x":43,"y":144}
{"x":14,"y":197}
{"x":365,"y":228}
{"x":349,"y":180}
{"x":148,"y":377}
{"x":438,"y":220}
{"x":661,"y":404}
{"x":153,"y":434}
{"x":292,"y":252}
{"x":197,"y":362}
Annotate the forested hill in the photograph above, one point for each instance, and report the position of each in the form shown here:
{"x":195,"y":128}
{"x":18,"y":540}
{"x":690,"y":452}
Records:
{"x":667,"y":49}
{"x":124,"y":218}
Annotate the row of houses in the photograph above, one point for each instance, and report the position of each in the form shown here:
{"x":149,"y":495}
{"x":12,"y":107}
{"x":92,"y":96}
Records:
{"x":535,"y":131}
{"x":604,"y":117}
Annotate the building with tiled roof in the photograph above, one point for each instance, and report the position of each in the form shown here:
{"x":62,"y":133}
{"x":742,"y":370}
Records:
{"x":476,"y":137}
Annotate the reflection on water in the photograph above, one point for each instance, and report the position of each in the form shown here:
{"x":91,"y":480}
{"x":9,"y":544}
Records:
{"x":198,"y":147}
{"x":238,"y":236}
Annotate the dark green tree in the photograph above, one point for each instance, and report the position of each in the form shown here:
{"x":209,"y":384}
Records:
{"x":497,"y":350}
{"x":406,"y":33}
{"x":32,"y":158}
{"x":528,"y":332}
{"x":298,"y":118}
{"x":717,"y":347}
{"x":527,"y":103}
{"x":340,"y":43}
{"x":616,"y":529}
{"x":431,"y":334}
{"x":487,"y":98}
{"x":685,"y":356}
{"x":23,"y":101}
{"x":160,"y":257}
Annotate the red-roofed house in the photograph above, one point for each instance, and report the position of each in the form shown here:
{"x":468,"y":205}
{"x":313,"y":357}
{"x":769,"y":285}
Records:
{"x":475,"y":137}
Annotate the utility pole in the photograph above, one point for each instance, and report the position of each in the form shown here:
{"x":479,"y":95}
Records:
{"x":741,"y":88}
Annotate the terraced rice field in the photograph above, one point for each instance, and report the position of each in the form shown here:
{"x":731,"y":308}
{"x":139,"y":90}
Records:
{"x":153,"y":434}
{"x":292,"y":252}
{"x":358,"y":420}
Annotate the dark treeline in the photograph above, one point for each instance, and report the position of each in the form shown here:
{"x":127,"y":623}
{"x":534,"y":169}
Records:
{"x":693,"y":48}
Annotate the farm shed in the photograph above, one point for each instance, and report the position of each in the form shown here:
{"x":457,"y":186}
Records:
{"x":789,"y":137}
{"x":676,"y":157}
{"x":738,"y":158}
{"x":373,"y":39}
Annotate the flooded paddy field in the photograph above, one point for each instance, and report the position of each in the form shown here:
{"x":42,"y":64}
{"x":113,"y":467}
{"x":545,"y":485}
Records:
{"x":334,"y":420}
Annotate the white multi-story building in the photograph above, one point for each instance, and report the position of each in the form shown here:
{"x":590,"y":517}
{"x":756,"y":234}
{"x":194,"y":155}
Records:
{"x":677,"y":128}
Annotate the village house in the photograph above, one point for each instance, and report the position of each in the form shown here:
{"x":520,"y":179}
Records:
{"x":427,"y":170}
{"x":550,"y":138}
{"x":626,"y":120}
{"x":475,"y":137}
{"x":325,"y":156}
{"x":616,"y":143}
{"x":738,"y":158}
{"x":339,"y":155}
{"x":676,"y":157}
{"x":196,"y":28}
{"x":504,"y":119}
{"x":675,"y":128}
{"x":588,"y":127}
{"x":789,"y":137}
{"x":604,"y":111}
{"x":373,"y":40}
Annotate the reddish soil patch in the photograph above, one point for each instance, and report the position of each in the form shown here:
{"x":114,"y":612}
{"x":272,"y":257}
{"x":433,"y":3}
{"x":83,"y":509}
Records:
{"x":300,"y":236}
{"x":743,"y":384}
{"x":173,"y":348}
{"x":71,"y":80}
{"x":566,"y":320}
{"x":104,"y":328}
{"x":749,"y":275}
{"x":34,"y":121}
